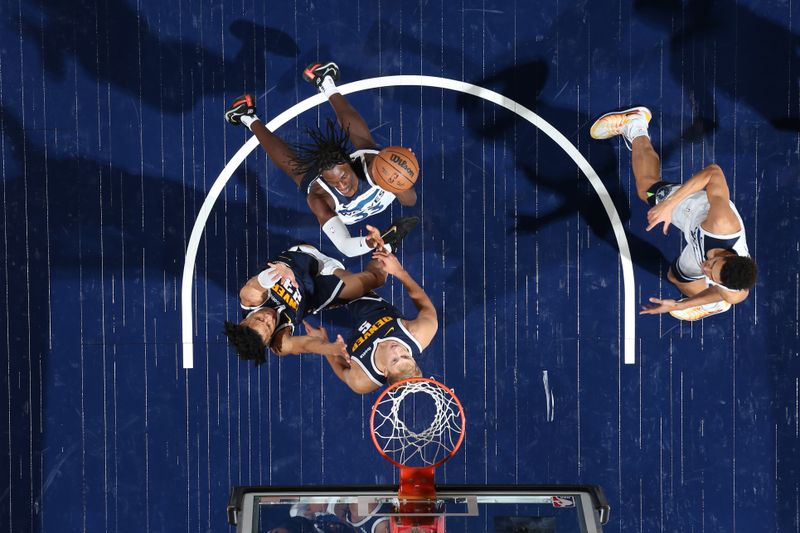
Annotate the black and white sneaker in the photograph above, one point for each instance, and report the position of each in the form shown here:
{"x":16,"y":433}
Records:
{"x":241,"y":107}
{"x":316,"y":73}
{"x":398,"y":230}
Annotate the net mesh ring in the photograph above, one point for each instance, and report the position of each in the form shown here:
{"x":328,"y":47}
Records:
{"x":404,"y":445}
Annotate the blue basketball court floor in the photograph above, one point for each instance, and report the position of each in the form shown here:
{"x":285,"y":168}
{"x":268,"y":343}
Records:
{"x":112,"y":136}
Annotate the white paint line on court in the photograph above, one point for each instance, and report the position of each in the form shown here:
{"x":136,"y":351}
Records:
{"x":629,"y":311}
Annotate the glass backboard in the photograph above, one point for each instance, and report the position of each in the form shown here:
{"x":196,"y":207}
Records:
{"x":459,"y":508}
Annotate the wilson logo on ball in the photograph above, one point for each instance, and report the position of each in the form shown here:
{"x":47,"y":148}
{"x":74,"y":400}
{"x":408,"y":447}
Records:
{"x":401,"y":163}
{"x":395,"y":169}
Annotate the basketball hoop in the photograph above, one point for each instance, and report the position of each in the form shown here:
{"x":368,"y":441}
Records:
{"x":417,"y":424}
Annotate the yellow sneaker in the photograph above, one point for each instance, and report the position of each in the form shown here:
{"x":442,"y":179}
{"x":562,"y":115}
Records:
{"x":620,"y":123}
{"x":699,"y":312}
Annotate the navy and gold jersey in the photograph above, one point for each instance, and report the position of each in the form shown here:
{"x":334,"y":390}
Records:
{"x":376,"y":321}
{"x":312,"y":293}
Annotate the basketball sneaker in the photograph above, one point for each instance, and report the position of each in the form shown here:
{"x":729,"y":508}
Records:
{"x":399,"y":229}
{"x":241,"y":107}
{"x":327,"y":265}
{"x":316,"y":73}
{"x":626,"y":123}
{"x":699,"y":312}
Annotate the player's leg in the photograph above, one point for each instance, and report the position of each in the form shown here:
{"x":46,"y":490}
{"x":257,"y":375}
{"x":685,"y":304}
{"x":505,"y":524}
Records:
{"x":352,"y":121}
{"x":243,"y":111}
{"x":277,"y":150}
{"x":324,"y":76}
{"x":631,"y":124}
{"x":646,"y":165}
{"x":357,"y":284}
{"x":689,"y":289}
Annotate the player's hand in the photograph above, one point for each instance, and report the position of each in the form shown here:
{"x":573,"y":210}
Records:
{"x":311,"y":331}
{"x":283,"y":272}
{"x":389,"y":262}
{"x":339,"y":349}
{"x":374,"y":239}
{"x":660,"y":213}
{"x":658,"y":306}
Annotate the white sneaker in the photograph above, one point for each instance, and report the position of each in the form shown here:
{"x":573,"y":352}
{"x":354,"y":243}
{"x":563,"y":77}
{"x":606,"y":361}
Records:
{"x":327,"y":265}
{"x":699,"y":312}
{"x":625,"y":123}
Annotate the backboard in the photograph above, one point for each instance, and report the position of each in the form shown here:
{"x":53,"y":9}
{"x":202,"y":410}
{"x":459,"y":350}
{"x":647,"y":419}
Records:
{"x":458,"y":508}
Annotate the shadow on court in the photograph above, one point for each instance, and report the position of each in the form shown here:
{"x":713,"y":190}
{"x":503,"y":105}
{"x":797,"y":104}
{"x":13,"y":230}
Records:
{"x":723,"y":45}
{"x":91,"y":250}
{"x":117,"y":45}
{"x":524,"y":82}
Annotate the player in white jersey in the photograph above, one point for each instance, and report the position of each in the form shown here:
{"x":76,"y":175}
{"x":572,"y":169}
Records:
{"x":714,"y":270}
{"x":336,"y":180}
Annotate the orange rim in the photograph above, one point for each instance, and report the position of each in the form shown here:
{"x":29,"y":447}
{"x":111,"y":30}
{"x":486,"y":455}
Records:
{"x":409,"y":380}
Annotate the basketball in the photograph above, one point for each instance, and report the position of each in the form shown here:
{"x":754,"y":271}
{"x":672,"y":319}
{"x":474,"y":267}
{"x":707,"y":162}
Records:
{"x":395,"y":169}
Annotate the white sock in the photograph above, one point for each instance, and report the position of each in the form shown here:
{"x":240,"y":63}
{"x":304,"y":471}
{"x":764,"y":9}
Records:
{"x":247,"y":120}
{"x":328,"y":87}
{"x":637,"y":128}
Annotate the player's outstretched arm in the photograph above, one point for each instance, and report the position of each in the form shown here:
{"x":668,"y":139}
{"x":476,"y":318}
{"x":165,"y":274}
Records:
{"x":337,"y":231}
{"x":712,"y":179}
{"x":358,"y":131}
{"x":295,"y":345}
{"x":426,"y":324}
{"x":707,"y":296}
{"x":256,"y":290}
{"x":253,"y":293}
{"x":659,"y":305}
{"x":353,"y":377}
{"x":709,"y":178}
{"x":407,"y":197}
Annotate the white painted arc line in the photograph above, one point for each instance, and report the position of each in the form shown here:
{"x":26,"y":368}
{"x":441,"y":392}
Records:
{"x":416,"y":81}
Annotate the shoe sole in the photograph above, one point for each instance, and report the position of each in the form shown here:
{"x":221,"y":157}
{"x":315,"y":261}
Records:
{"x":632,"y":111}
{"x":308,"y":73}
{"x":697,"y":313}
{"x":244,"y":99}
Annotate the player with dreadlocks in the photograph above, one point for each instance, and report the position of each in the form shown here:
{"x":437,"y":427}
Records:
{"x":335,"y":179}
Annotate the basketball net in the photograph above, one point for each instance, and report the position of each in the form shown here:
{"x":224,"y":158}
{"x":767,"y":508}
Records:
{"x":417,"y":424}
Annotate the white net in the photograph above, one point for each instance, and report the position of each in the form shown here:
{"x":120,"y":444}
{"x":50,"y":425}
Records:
{"x":418,"y":423}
